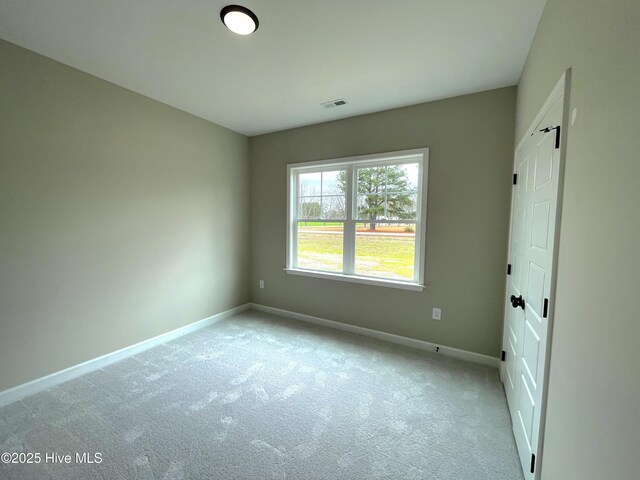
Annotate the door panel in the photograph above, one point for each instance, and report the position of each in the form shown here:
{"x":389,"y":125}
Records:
{"x":540,"y":225}
{"x":511,"y":365}
{"x":526,"y":407}
{"x":530,"y":354}
{"x":535,"y":291}
{"x":544,"y":166}
{"x":516,"y":263}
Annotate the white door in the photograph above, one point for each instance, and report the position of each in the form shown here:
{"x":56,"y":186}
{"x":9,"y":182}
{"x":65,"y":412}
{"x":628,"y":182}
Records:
{"x":529,"y":286}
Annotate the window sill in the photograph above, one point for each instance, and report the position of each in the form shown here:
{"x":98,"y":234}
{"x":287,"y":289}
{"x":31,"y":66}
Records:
{"x":356,"y":279}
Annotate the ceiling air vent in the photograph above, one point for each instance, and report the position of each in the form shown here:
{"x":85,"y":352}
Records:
{"x":334,"y":103}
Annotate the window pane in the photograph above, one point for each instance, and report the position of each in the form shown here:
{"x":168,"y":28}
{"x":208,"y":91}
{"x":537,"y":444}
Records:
{"x":385,"y":250}
{"x":387,"y":193}
{"x":309,"y":184}
{"x":320,"y":246}
{"x":334,"y":183}
{"x":371,"y":180}
{"x":401,"y":206}
{"x":401,"y":178}
{"x":406,"y":177}
{"x":333,"y":208}
{"x":370,"y":207}
{"x":309,"y":208}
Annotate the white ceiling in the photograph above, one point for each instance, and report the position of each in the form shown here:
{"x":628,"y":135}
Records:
{"x":376,"y":54}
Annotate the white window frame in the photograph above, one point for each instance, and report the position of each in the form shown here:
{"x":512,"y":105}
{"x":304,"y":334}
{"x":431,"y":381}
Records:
{"x":420,"y":156}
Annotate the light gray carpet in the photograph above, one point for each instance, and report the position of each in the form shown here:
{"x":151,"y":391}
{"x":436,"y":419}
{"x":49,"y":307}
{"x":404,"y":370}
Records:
{"x":258,"y":396}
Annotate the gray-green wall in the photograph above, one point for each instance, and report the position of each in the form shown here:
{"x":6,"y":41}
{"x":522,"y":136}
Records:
{"x":593,"y":421}
{"x":121,"y":218}
{"x":471,"y":156}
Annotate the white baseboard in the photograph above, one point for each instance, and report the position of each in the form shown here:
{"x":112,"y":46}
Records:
{"x":17,"y":393}
{"x":389,"y":337}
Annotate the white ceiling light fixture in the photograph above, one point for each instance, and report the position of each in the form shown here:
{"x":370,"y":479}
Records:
{"x":239,"y":19}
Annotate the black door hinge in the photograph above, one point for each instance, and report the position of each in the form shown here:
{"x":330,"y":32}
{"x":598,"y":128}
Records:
{"x":557,"y":129}
{"x":545,"y":309}
{"x":503,"y":357}
{"x":508,"y":269}
{"x":533,"y":462}
{"x":515,"y":178}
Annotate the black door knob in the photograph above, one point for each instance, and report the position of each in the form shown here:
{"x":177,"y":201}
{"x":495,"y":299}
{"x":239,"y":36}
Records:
{"x":517,"y":301}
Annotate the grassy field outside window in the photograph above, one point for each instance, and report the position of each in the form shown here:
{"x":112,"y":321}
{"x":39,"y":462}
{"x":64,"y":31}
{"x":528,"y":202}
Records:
{"x":388,"y":251}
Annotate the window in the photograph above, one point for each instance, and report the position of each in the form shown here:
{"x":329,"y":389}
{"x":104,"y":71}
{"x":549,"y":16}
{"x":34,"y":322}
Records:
{"x":359,"y":219}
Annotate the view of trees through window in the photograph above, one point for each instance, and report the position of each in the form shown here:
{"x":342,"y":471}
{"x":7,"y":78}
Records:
{"x":385,"y":215}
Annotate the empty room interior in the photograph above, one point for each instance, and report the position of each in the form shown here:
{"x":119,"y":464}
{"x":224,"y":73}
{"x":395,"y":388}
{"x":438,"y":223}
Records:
{"x":295,"y":239}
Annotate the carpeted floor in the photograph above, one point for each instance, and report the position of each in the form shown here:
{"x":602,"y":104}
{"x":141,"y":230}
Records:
{"x":261,"y":397}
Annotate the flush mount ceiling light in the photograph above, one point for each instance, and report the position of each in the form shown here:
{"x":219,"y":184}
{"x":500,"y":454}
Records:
{"x":239,"y":19}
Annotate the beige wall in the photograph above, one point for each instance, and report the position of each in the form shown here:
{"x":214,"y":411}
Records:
{"x":471,"y":156}
{"x":593,"y":422}
{"x":121,"y":218}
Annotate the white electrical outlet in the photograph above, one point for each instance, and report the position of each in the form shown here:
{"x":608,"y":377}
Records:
{"x":261,"y":283}
{"x":437,"y":314}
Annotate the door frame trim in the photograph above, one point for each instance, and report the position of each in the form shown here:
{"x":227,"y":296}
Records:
{"x":561,"y":89}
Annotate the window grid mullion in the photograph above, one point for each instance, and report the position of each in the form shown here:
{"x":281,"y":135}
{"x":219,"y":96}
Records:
{"x":385,"y":198}
{"x":417,"y":257}
{"x":294,"y":222}
{"x":349,"y":232}
{"x":321,"y":192}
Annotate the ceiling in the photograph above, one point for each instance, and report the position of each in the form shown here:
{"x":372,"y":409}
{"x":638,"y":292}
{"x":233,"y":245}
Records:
{"x":376,"y":54}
